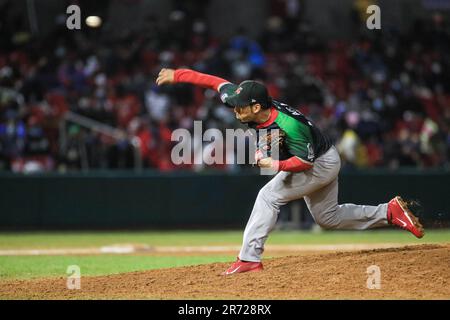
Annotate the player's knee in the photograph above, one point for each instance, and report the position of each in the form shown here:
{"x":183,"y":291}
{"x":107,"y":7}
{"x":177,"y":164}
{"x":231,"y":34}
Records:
{"x":328,"y":223}
{"x":267,"y":195}
{"x":264,"y":193}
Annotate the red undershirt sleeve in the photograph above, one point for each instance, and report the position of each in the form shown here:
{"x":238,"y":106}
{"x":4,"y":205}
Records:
{"x":293,"y":164}
{"x":199,"y":79}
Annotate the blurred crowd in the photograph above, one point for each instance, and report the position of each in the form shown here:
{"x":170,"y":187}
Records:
{"x":382,"y":96}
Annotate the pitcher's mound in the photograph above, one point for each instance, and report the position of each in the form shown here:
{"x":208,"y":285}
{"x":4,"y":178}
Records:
{"x":412,"y":272}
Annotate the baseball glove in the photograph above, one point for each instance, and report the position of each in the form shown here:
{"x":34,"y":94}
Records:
{"x":269,"y":143}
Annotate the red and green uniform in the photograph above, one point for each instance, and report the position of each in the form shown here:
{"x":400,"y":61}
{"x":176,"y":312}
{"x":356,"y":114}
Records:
{"x":304,"y":141}
{"x":317,"y":185}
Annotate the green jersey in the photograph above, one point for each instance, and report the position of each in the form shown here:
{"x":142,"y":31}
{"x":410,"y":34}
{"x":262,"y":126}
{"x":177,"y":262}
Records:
{"x":303,"y":138}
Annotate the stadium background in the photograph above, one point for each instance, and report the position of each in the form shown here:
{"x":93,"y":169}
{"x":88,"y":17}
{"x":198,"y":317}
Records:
{"x":85,"y":135}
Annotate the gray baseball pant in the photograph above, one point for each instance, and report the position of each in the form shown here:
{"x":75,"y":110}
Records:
{"x":319,"y":187}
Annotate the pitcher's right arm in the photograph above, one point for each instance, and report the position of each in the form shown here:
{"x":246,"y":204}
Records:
{"x":168,"y":76}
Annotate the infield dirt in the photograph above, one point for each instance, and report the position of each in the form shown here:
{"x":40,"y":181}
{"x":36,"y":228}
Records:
{"x":411,"y":272}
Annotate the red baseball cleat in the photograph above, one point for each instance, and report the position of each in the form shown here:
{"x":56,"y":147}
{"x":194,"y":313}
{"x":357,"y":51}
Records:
{"x":400,"y":215}
{"x":243,"y":266}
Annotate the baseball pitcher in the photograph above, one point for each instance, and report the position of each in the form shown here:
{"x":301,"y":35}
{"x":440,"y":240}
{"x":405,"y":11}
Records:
{"x":310,"y":170}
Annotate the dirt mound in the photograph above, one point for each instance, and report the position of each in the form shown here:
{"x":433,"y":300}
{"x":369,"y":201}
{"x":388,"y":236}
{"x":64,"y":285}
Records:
{"x":413,"y":272}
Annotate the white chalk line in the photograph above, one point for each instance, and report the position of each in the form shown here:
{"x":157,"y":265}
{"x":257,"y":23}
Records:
{"x":133,"y":249}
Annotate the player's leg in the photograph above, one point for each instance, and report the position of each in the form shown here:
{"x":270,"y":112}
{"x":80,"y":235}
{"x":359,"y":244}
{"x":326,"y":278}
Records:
{"x":263,"y":218}
{"x":323,"y":205}
{"x":284,"y":187}
{"x":323,"y":202}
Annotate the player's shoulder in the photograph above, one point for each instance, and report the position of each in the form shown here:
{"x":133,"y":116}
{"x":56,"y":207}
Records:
{"x":285,"y":108}
{"x":292,"y":113}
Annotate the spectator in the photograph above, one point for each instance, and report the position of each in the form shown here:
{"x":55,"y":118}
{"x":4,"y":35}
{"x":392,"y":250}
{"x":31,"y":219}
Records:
{"x":383,"y":99}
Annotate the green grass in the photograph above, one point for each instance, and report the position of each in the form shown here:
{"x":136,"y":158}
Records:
{"x":49,"y":240}
{"x":26,"y":267}
{"x":23,"y":267}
